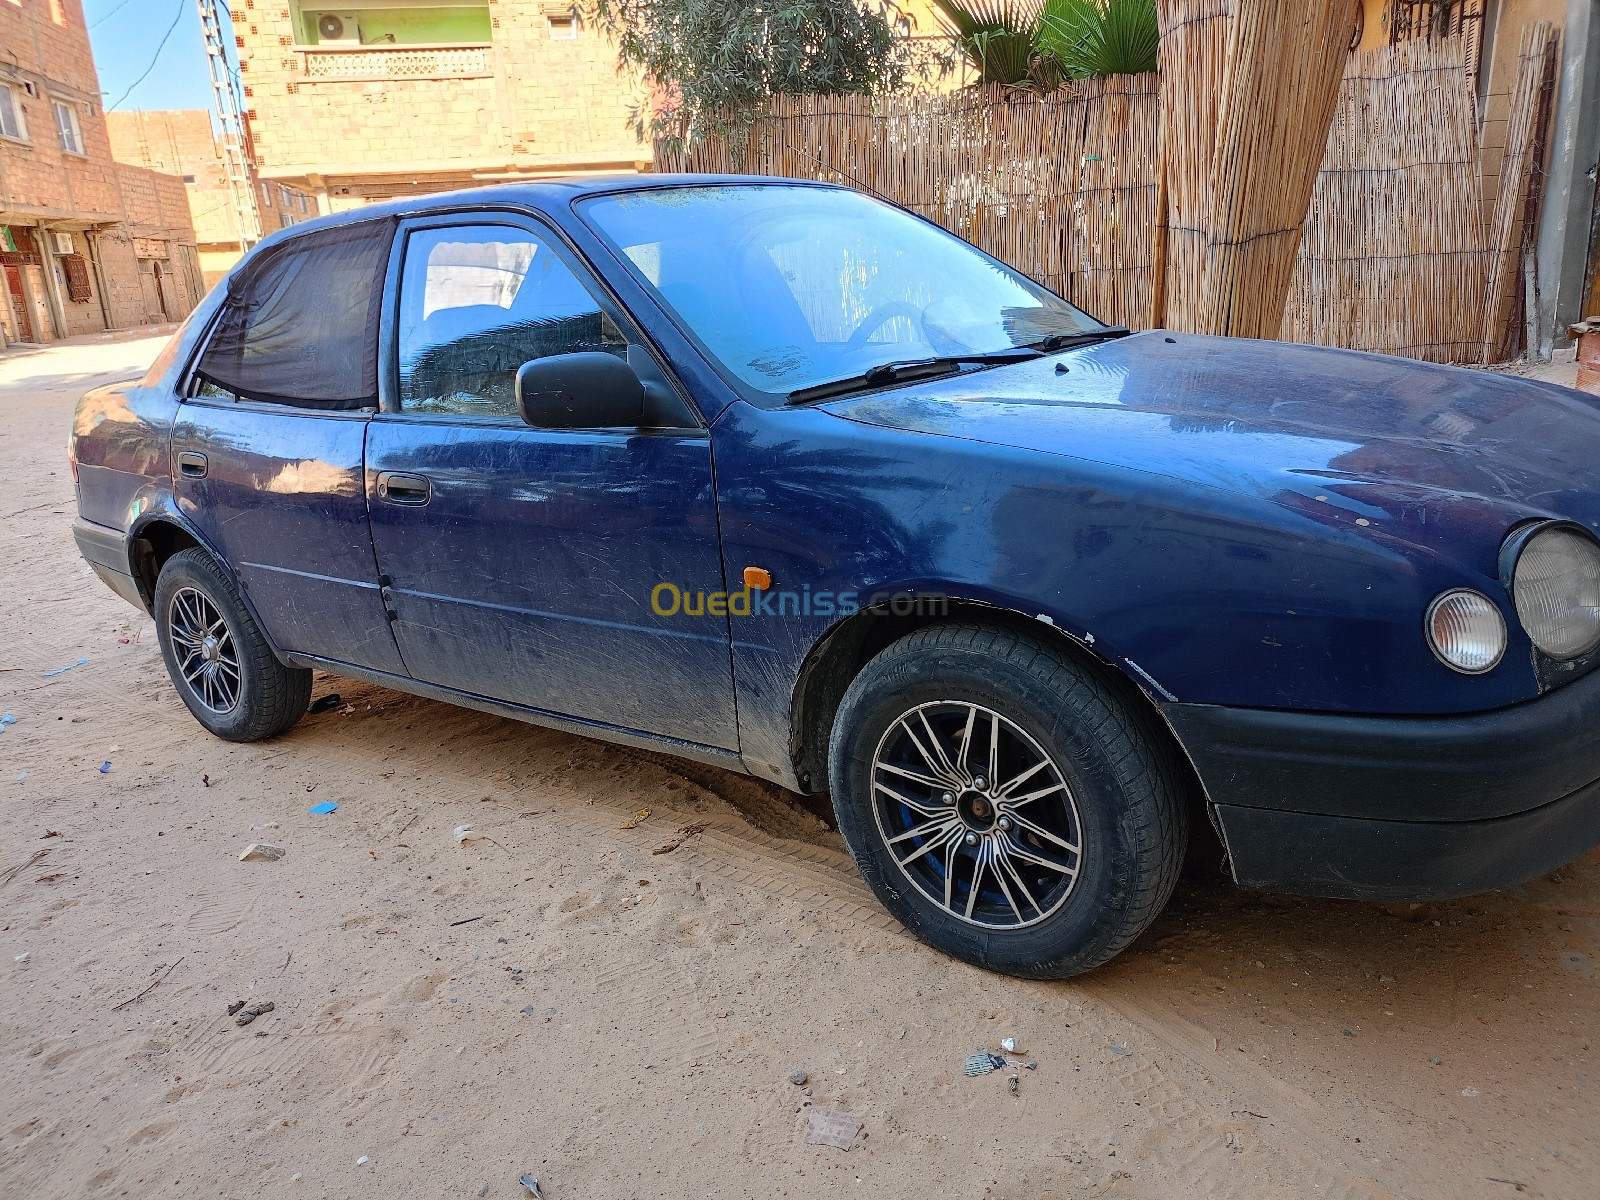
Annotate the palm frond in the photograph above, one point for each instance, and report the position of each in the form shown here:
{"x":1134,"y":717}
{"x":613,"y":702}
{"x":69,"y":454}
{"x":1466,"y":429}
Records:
{"x":1100,"y":37}
{"x":998,"y":37}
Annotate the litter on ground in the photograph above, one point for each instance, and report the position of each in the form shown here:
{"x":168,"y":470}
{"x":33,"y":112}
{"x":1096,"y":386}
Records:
{"x":828,"y":1127}
{"x":981,"y":1062}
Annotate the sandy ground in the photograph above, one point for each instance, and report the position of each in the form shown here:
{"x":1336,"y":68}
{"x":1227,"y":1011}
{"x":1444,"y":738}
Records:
{"x":621,"y":1023}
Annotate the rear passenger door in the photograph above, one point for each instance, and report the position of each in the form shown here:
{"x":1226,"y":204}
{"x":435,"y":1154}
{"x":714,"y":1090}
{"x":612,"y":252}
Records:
{"x":267,"y":445}
{"x":521,"y":562}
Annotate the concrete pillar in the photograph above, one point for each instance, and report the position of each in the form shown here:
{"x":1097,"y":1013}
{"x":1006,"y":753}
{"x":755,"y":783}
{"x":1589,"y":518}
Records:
{"x":1569,"y":188}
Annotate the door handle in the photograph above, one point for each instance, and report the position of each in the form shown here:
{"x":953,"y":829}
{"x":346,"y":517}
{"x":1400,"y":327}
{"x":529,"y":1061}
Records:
{"x":192,"y":464}
{"x":399,"y":488}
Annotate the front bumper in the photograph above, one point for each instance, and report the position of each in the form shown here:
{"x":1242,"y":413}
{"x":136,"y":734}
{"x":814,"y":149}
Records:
{"x":1392,"y":808}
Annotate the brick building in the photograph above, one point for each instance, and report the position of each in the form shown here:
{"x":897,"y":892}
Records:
{"x":181,"y":142}
{"x":86,"y":243}
{"x":395,"y":97}
{"x":381,"y":98}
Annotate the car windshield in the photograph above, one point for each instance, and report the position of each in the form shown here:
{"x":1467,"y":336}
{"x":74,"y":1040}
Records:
{"x":787,"y":287}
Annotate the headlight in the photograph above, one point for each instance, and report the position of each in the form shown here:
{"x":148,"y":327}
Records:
{"x":1556,"y":586}
{"x":1466,"y":631}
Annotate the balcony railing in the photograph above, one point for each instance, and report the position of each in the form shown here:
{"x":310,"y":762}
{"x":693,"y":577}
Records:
{"x":456,"y":61}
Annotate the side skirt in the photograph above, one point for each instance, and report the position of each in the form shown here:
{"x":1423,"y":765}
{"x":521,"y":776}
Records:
{"x":694,"y":751}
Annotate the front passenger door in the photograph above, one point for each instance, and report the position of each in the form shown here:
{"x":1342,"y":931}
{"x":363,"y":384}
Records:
{"x":520,"y":562}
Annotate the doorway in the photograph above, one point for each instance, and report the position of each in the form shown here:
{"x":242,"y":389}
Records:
{"x":161,"y":293}
{"x":19,"y":304}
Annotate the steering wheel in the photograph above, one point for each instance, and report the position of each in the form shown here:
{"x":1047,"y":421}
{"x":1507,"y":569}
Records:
{"x":878,"y":318}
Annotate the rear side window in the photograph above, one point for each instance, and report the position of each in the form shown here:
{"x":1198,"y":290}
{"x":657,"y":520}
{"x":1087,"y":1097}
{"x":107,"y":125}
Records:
{"x":300,"y":326}
{"x":478,"y":301}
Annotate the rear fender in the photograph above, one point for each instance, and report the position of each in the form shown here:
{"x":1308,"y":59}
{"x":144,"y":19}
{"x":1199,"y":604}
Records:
{"x":156,"y":506}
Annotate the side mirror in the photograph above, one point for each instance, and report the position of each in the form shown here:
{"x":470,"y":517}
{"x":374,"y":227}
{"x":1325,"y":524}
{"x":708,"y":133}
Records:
{"x":580,"y":391}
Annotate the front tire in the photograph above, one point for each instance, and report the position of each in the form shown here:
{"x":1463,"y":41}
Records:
{"x":1004,"y":803}
{"x":218,"y":658}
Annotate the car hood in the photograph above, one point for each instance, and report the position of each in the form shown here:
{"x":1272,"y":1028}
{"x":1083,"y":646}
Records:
{"x":1410,"y":447}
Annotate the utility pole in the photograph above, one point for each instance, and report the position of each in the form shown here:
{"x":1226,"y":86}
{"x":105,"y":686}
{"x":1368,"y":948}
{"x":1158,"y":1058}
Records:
{"x":227,"y":101}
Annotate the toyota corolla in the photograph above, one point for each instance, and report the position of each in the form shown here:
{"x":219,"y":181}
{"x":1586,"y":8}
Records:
{"x":777,"y":476}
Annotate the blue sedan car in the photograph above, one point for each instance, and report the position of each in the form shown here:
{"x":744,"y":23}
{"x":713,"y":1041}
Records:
{"x":776,"y":476}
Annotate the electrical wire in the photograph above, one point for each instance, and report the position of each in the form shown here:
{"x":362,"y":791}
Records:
{"x":178,"y":16}
{"x":102,"y":20}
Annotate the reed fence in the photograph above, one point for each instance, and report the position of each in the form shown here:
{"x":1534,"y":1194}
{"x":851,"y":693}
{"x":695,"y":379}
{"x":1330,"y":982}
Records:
{"x":1530,"y":101}
{"x":1065,"y":187}
{"x":1193,"y":57}
{"x":1132,"y":196}
{"x":1394,"y":257}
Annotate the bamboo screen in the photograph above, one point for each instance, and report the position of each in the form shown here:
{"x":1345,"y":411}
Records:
{"x":1394,"y":257}
{"x":1071,"y":188}
{"x":1064,"y":187}
{"x":1536,"y":64}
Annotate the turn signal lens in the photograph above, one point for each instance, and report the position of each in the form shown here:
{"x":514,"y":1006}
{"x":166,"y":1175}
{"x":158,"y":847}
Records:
{"x":1556,"y":586}
{"x":1466,"y":631}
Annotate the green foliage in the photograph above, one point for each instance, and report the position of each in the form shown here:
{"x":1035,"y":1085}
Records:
{"x":1026,"y":44}
{"x":1100,"y":37}
{"x":997,"y":37}
{"x":712,"y":60}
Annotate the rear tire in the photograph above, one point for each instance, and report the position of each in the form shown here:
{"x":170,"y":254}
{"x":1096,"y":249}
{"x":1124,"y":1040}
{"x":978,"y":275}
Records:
{"x":1005,"y":803}
{"x":218,"y":658}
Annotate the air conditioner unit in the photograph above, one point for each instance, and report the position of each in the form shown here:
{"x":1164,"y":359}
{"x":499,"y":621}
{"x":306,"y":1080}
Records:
{"x":338,"y":29}
{"x":62,"y":242}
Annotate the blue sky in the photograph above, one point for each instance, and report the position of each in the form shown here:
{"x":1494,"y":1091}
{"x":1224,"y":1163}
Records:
{"x":125,"y":35}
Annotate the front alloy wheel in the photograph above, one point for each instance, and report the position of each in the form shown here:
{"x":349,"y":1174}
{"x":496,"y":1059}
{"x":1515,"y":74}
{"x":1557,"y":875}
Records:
{"x":977,"y":815}
{"x":1009,"y":802}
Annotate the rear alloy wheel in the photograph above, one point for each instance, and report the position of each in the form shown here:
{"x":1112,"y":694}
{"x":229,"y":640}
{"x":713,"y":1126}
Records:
{"x":208,"y":660}
{"x":218,"y":658}
{"x":1005,"y":802}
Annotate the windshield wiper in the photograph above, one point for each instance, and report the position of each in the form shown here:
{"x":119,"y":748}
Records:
{"x":908,"y":370}
{"x":1070,"y":341}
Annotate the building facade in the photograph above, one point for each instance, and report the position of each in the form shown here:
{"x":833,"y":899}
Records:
{"x":86,"y":243}
{"x":382,"y":98}
{"x":181,"y":142}
{"x":399,"y":97}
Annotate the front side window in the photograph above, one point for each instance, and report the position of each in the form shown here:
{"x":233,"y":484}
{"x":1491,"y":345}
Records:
{"x":300,"y":326}
{"x":791,"y":286}
{"x":67,"y":127}
{"x":478,"y":301}
{"x":11,"y":123}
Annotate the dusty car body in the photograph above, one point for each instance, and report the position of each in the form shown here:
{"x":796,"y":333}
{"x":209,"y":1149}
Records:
{"x":1260,"y":558}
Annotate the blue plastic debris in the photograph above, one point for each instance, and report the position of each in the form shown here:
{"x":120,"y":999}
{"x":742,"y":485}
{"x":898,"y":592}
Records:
{"x":327,"y":806}
{"x":105,"y":767}
{"x":7,"y":719}
{"x":62,"y":670}
{"x":21,"y":775}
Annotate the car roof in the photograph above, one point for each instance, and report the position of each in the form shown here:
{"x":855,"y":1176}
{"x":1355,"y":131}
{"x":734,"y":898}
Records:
{"x":545,"y":195}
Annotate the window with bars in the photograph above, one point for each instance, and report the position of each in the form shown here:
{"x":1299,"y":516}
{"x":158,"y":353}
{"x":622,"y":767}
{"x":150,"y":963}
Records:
{"x":77,"y":272}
